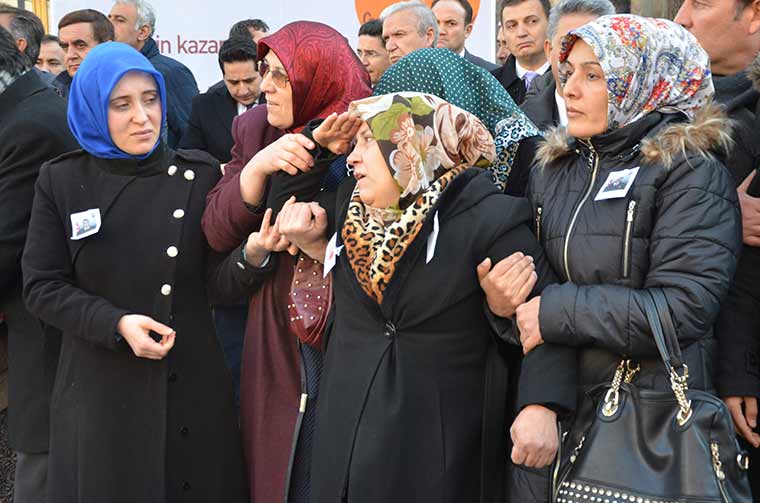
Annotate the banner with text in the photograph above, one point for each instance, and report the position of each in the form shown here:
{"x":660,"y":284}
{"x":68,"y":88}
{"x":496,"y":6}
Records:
{"x":192,"y":31}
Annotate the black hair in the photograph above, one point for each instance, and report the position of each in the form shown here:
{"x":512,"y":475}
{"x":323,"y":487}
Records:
{"x":241,"y":28}
{"x":372,"y":28}
{"x":237,"y":49}
{"x":467,"y":9}
{"x":508,"y":3}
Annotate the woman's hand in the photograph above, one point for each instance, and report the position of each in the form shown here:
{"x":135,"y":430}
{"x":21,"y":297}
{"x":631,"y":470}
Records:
{"x":746,"y":419}
{"x":267,"y":240}
{"x":534,"y":437}
{"x":290,"y":154}
{"x":304,"y":225}
{"x":527,"y":323}
{"x":136,"y":328}
{"x":508,"y":284}
{"x":337,"y":132}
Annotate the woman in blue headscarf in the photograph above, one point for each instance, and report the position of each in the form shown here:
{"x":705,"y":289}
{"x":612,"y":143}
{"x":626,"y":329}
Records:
{"x":142,"y":407}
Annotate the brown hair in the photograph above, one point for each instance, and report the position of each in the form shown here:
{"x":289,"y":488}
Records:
{"x":102,"y":29}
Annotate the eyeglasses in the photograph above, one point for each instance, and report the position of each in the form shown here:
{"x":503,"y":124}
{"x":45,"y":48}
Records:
{"x":279,"y":78}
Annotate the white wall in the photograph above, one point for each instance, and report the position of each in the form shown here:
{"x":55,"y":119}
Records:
{"x":192,"y":30}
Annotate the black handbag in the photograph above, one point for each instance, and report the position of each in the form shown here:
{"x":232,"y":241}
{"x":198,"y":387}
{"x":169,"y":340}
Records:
{"x":633,"y":445}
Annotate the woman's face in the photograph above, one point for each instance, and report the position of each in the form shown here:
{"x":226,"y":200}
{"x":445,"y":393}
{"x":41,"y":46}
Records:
{"x":585,"y":92}
{"x":134,"y":113}
{"x":377,"y":188}
{"x":279,"y":92}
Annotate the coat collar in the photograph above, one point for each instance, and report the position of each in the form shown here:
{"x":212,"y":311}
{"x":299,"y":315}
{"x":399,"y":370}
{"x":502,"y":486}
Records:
{"x":152,"y":165}
{"x":150,"y":49}
{"x":20,"y":89}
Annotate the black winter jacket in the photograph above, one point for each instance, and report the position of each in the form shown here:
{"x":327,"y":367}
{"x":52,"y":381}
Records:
{"x":677,"y":227}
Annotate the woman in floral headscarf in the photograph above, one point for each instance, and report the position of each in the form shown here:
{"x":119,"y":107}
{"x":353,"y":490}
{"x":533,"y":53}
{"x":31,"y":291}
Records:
{"x":631,"y":198}
{"x":442,"y":73}
{"x":408,"y":411}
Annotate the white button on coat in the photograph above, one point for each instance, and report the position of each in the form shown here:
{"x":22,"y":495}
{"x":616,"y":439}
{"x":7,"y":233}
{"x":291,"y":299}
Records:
{"x":178,"y":213}
{"x":189,"y":175}
{"x":166,"y":290}
{"x":172,"y":251}
{"x":172,"y":170}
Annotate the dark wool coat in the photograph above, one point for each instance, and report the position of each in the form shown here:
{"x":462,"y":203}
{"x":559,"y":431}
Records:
{"x":123,"y":428}
{"x":410,"y":410}
{"x":507,"y":75}
{"x":33,"y":130}
{"x":210,"y":125}
{"x":677,"y":228}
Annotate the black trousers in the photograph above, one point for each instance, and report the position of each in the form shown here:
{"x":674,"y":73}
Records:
{"x":31,"y":478}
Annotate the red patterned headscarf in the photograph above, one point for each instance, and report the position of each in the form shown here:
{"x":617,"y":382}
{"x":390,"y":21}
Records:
{"x":324,"y":72}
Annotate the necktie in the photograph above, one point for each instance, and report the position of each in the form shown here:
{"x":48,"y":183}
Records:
{"x":528,"y":78}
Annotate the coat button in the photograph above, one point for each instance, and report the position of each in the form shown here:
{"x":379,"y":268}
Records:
{"x":185,"y":431}
{"x":166,"y":290}
{"x":390,"y":330}
{"x":189,"y":175}
{"x":173,"y":377}
{"x":172,"y":170}
{"x":186,"y":486}
{"x":172,"y":251}
{"x":178,"y":213}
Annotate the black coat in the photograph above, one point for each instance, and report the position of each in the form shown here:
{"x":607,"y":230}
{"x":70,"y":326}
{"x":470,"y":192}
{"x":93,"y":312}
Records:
{"x":476,"y":60}
{"x":123,"y":428}
{"x":210,"y":125}
{"x":407,"y":389}
{"x":677,"y":228}
{"x":738,"y":326}
{"x":33,"y":130}
{"x":507,"y":76}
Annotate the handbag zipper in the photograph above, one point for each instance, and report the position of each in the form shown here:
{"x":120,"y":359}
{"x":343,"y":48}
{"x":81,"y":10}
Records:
{"x":538,"y":223}
{"x":627,"y":242}
{"x":594,"y":164}
{"x":718,"y":468}
{"x":555,"y":471}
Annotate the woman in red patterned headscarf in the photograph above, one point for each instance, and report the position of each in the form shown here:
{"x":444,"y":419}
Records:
{"x":310,"y":72}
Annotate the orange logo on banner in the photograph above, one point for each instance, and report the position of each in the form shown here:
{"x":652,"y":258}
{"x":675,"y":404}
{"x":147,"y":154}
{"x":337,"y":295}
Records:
{"x":371,"y":9}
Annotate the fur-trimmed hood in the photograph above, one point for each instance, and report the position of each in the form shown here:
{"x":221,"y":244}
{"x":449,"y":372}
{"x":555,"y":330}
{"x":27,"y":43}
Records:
{"x":710,"y":131}
{"x":753,"y":72}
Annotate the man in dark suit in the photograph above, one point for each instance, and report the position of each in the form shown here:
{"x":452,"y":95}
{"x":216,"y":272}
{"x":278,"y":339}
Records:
{"x":33,"y":130}
{"x":455,"y":27}
{"x":544,"y":103}
{"x":210,"y":124}
{"x":524,"y":24}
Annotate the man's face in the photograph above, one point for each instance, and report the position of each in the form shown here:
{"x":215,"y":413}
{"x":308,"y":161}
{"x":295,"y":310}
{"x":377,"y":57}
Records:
{"x":502,"y":52}
{"x":51,"y":58}
{"x":401,"y":35}
{"x":524,"y":26}
{"x":373,"y":56}
{"x":725,"y":36}
{"x":76,"y":41}
{"x":565,"y":25}
{"x":123,"y":17}
{"x":243,"y":81}
{"x":452,"y":29}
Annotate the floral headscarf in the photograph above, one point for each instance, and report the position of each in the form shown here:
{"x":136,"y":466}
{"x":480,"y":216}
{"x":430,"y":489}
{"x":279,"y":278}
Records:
{"x":426,"y":142}
{"x":452,"y":78}
{"x":650,"y":65}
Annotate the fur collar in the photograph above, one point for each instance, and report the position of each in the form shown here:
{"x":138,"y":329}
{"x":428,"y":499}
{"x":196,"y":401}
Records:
{"x":753,"y":72}
{"x":709,"y":131}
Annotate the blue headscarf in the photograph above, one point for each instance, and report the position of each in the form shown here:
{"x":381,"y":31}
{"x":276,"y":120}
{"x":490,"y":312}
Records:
{"x":91,"y":91}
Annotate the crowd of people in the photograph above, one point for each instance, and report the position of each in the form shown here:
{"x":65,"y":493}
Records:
{"x":390,"y":272}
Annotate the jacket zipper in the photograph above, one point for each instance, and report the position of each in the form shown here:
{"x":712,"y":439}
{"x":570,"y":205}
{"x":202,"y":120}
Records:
{"x":627,"y":241}
{"x":538,"y":223}
{"x":594,"y":164}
